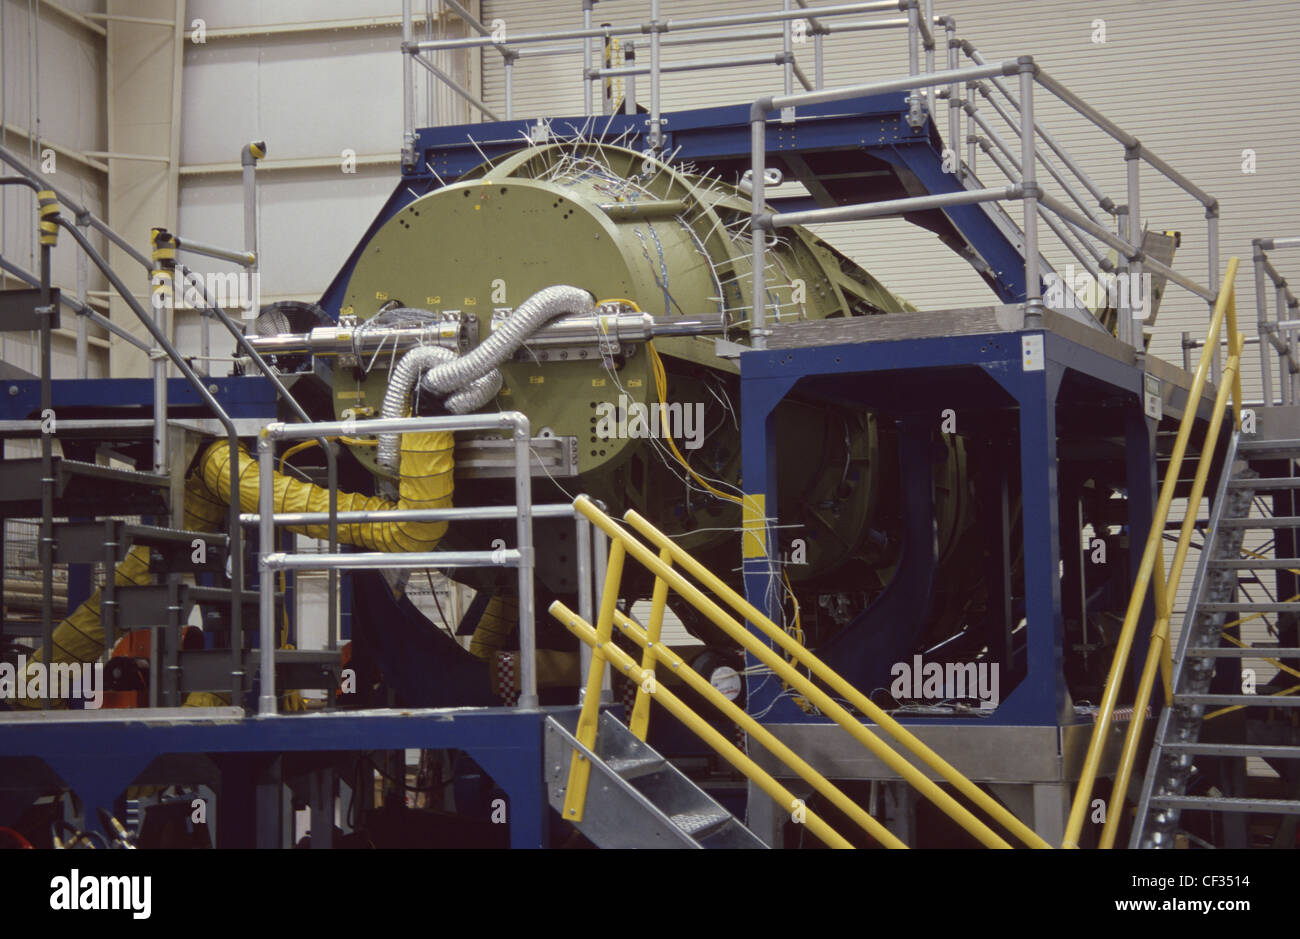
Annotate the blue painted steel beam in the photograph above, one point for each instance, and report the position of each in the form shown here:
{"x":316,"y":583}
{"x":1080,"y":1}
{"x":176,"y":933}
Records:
{"x":980,"y":372}
{"x":98,"y":759}
{"x":241,"y":396}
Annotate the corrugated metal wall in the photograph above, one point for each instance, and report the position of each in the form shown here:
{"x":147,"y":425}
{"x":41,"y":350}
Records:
{"x":1198,"y":81}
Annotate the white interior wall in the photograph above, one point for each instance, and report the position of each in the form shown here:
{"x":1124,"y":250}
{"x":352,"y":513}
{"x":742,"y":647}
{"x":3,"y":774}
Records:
{"x":311,"y":95}
{"x":63,"y":109}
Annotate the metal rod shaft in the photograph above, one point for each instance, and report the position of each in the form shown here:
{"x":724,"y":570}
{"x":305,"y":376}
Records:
{"x":852,"y":213}
{"x":454,"y":86}
{"x":524,"y":541}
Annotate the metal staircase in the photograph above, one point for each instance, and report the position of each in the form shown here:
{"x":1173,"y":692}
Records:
{"x":636,"y":798}
{"x":1184,"y":742}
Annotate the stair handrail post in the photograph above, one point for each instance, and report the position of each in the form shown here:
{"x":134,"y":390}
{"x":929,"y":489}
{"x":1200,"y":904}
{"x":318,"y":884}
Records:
{"x":232,"y":438}
{"x":1029,"y":185}
{"x":1151,"y":556}
{"x":575,"y":794}
{"x":1258,"y":258}
{"x":1158,"y":651}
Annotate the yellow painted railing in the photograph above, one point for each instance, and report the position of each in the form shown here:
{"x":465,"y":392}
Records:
{"x":669,"y":567}
{"x":1152,"y":576}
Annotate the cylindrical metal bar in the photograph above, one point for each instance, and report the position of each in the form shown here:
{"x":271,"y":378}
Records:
{"x":78,"y":210}
{"x":913,"y":64}
{"x":506,"y":420}
{"x":81,"y":309}
{"x":459,"y":513}
{"x":476,"y":25}
{"x":1088,"y":111}
{"x":249,"y":258}
{"x":1151,"y":555}
{"x":1262,"y":325}
{"x":1212,"y":249}
{"x":909,"y":83}
{"x":694,"y":65}
{"x":1123,"y":312}
{"x":246,"y":258}
{"x":1029,"y":186}
{"x":83,"y":337}
{"x":232,"y":437}
{"x":1075,"y":196}
{"x":586,"y":59}
{"x":1164,"y":270}
{"x":654,"y":650}
{"x":927,"y":36}
{"x":266,"y":700}
{"x":1177,"y":178}
{"x":454,"y":86}
{"x":954,"y":94}
{"x":582,"y":543}
{"x":1280,"y":243}
{"x":600,"y":551}
{"x":654,"y":137}
{"x":408,"y":88}
{"x":1288,"y":340}
{"x":509,"y":67}
{"x":45,"y":550}
{"x":711,"y":22}
{"x":580,"y":773}
{"x":787,"y":48}
{"x":819,"y":61}
{"x":851,"y":213}
{"x":524,"y":539}
{"x":758,"y":157}
{"x":1047,"y":138}
{"x":1125,"y":249}
{"x":382,"y":560}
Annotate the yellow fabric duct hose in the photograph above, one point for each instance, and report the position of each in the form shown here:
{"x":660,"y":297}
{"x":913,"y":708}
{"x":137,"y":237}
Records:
{"x":425,"y":483}
{"x":499,"y":619}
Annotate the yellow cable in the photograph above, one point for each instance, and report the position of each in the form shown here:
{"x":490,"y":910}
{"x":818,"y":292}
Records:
{"x":661,"y":386}
{"x":631,"y":303}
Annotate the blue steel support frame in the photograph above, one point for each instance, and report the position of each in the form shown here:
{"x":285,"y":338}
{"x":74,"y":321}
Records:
{"x":837,"y":372}
{"x":99,"y":759}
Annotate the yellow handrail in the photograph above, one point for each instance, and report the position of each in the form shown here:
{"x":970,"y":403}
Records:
{"x":674,"y":580}
{"x":837,"y":683}
{"x":1152,"y":575}
{"x":700,"y":727}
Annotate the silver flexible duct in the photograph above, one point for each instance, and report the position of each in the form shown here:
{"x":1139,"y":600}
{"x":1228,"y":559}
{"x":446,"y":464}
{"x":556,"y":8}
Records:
{"x":397,"y":398}
{"x":527,"y":318}
{"x":472,"y":380}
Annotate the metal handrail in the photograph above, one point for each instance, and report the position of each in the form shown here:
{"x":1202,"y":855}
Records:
{"x":1026,"y":189}
{"x":1151,"y":574}
{"x":1280,"y":333}
{"x":624,"y":543}
{"x":521,"y":557}
{"x":920,"y":23}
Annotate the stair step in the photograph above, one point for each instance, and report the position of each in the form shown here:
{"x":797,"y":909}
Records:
{"x":1246,"y":700}
{"x":696,"y":824}
{"x":1254,"y":446}
{"x":634,"y":767}
{"x":1266,"y":483}
{"x":1250,"y":564}
{"x":1230,"y":652}
{"x":1235,"y":749}
{"x":1245,"y":607}
{"x":81,"y":489}
{"x":1278,"y":521}
{"x":1222,"y":804}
